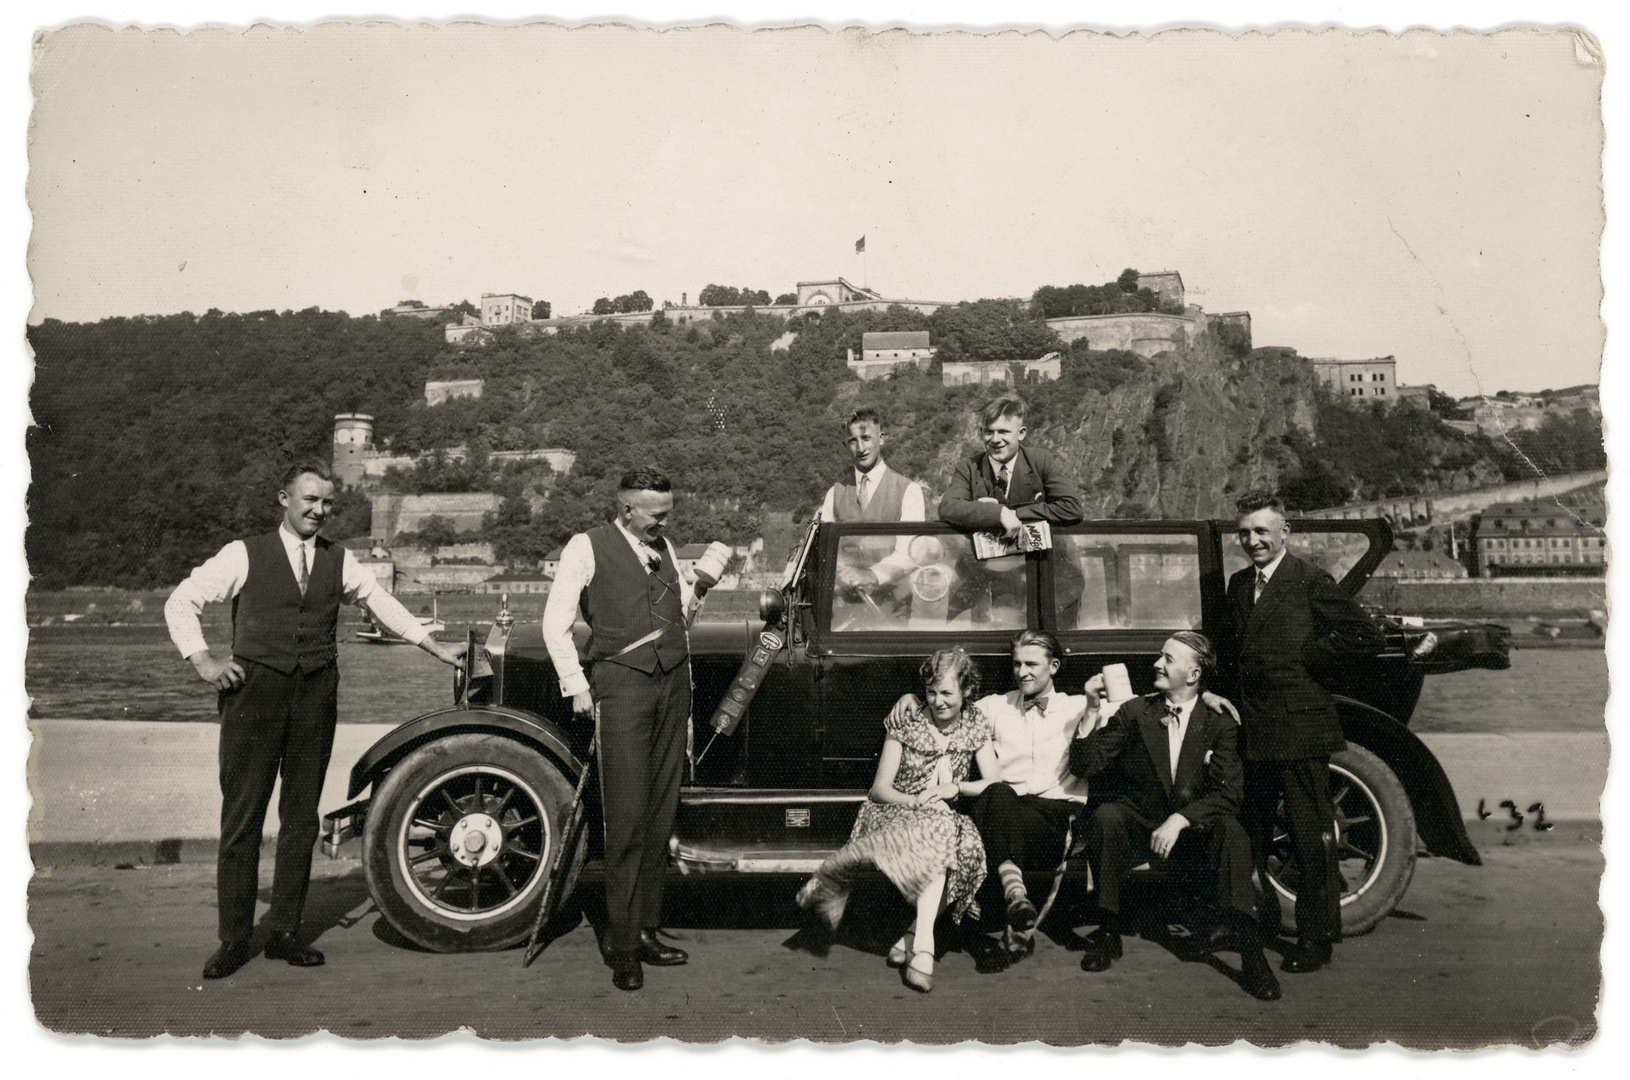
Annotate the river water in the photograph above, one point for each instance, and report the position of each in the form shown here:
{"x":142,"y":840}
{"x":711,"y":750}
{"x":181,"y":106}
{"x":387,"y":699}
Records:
{"x":105,"y":672}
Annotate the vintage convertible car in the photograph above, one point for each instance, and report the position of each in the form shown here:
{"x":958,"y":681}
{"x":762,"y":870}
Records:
{"x":471,"y":801}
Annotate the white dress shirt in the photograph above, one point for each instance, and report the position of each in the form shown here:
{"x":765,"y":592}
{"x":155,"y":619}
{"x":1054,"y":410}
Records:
{"x":1264,"y":574}
{"x":912,"y":505}
{"x":1033,"y":748}
{"x":560,"y":610}
{"x":1176,"y":732}
{"x":222,"y":576}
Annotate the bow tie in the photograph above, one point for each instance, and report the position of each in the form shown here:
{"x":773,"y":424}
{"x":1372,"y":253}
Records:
{"x":1039,"y":703}
{"x":1173,"y":717}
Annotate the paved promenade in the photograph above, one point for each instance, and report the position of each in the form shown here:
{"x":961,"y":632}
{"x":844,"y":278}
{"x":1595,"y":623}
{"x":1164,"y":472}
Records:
{"x":101,"y":782}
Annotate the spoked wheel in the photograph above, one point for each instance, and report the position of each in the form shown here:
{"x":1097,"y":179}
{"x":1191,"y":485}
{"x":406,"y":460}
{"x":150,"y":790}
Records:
{"x":460,"y":840}
{"x":1375,"y":842}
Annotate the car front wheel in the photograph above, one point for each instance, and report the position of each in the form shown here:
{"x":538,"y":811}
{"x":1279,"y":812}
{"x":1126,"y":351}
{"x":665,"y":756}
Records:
{"x":460,"y":839}
{"x":1375,"y":842}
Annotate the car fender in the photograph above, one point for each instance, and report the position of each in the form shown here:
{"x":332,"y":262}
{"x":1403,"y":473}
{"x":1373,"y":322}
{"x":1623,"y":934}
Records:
{"x":1431,"y":795}
{"x":517,"y":724}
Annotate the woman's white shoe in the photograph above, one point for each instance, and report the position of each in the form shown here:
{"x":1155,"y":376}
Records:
{"x":916,"y":975}
{"x":900,"y":951}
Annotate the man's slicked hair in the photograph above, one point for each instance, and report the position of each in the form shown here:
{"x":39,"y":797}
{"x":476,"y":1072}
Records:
{"x":645,"y":478}
{"x":1039,"y":638}
{"x":863,"y":415}
{"x":1002,"y":406}
{"x":1202,"y":648}
{"x":1252,"y":501}
{"x":315,"y":466}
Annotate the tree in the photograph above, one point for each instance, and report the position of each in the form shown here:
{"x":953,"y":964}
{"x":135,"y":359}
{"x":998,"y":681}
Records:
{"x":787,"y":298}
{"x":540,"y":309}
{"x":727,"y":296}
{"x":604,"y":306}
{"x":434,"y":531}
{"x":1128,"y":281}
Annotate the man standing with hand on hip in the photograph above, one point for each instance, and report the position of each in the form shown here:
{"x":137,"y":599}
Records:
{"x":1292,"y":630}
{"x":278,"y":694}
{"x":624,"y":578}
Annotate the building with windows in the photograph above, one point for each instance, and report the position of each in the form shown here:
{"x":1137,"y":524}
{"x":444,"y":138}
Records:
{"x":1367,"y":379}
{"x":885,"y":352}
{"x":504,"y":309}
{"x":1541,"y":539}
{"x":968,"y":372}
{"x":1167,"y":285}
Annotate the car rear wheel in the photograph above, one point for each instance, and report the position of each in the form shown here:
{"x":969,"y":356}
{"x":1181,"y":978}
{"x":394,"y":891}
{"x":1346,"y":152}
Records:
{"x":460,"y":838}
{"x":1375,"y":842}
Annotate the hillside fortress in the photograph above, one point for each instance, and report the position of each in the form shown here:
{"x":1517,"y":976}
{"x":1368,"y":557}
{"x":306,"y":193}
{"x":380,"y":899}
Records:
{"x":1146,"y":333}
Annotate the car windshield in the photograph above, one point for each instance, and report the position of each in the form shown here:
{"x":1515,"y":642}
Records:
{"x":924,"y":583}
{"x":1141,"y":581}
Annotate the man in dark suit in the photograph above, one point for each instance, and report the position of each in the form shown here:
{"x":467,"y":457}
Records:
{"x":1291,"y":630}
{"x":1178,"y":783}
{"x":623,"y":577}
{"x":1008,"y":483}
{"x":277,"y":695}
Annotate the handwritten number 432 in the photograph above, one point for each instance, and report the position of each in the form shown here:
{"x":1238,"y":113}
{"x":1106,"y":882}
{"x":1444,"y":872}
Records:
{"x":1538,"y":809}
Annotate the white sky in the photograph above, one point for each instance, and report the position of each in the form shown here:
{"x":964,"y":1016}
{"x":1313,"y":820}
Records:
{"x":1435,"y":198}
{"x":1261,"y":239}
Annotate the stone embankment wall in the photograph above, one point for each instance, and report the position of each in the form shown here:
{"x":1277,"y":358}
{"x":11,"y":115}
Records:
{"x":1488,"y":598}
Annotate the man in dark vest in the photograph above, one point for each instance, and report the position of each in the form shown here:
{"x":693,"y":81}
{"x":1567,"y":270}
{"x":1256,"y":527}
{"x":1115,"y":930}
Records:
{"x":1291,"y":629}
{"x":277,"y":700}
{"x":624,"y":578}
{"x":871,"y":491}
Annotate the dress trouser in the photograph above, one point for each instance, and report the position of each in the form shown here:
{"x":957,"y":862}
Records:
{"x":1305,"y":785}
{"x":1026,"y":830}
{"x":643,"y":727}
{"x":1219,"y":854}
{"x":274,"y":724}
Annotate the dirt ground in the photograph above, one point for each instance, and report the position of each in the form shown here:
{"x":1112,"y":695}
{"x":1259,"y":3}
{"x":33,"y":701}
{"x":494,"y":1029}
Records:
{"x":1502,"y":953}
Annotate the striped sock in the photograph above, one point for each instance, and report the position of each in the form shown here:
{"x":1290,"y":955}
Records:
{"x":1012,"y":882}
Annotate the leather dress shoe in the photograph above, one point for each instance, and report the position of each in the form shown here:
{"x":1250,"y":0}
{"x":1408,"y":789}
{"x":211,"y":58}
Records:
{"x":1257,"y":976}
{"x":1103,"y":948}
{"x":652,"y":951}
{"x":282,"y":946}
{"x":1306,"y":956}
{"x":626,"y":973}
{"x":231,"y":956}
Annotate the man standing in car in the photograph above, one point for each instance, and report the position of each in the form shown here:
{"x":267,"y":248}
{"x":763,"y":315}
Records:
{"x":624,"y":578}
{"x":1008,"y":483}
{"x":1292,"y":630}
{"x":278,"y":700}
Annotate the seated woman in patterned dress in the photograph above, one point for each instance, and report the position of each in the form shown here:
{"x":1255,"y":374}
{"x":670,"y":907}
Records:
{"x":907,"y":828}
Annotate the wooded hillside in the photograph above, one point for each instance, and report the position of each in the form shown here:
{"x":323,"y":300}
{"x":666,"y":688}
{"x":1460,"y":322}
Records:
{"x":159,"y":439}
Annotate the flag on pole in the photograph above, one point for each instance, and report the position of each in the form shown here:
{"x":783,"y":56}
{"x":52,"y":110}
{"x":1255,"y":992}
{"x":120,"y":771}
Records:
{"x":860,"y":246}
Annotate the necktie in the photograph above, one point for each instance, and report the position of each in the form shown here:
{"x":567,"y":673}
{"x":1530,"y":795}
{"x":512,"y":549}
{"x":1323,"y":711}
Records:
{"x":1001,"y":480}
{"x":305,"y":575}
{"x":1039,"y":703}
{"x":653,"y":559}
{"x":1261,"y":583}
{"x":861,"y":490}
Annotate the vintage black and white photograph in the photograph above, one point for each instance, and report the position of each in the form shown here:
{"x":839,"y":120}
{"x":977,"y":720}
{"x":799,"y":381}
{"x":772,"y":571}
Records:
{"x":499,"y":562}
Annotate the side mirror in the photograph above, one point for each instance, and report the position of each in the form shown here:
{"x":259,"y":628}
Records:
{"x":772,"y":606}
